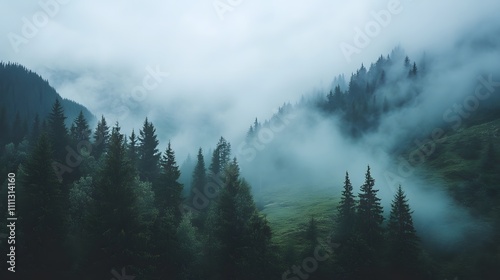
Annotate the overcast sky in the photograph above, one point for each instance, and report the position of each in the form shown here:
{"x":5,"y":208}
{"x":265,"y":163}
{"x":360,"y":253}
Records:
{"x":227,"y":61}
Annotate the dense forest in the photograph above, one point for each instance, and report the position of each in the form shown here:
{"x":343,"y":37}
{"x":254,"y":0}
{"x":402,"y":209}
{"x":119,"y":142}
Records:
{"x":101,"y":203}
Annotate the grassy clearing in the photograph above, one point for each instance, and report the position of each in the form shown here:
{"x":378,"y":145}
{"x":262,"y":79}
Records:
{"x":289,"y":209}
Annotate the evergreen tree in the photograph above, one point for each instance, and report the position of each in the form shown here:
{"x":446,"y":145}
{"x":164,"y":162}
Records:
{"x":80,"y":130}
{"x":199,"y":176}
{"x":43,"y":216}
{"x":149,"y":155}
{"x":190,"y":247}
{"x":58,"y":133}
{"x":413,"y":71}
{"x":369,"y":230}
{"x":35,"y":130}
{"x":402,"y":237}
{"x":241,"y":234}
{"x":101,"y":138}
{"x":220,"y":157}
{"x":17,"y":130}
{"x":311,"y":236}
{"x":115,"y":229}
{"x":370,"y":212}
{"x":346,"y":211}
{"x":168,"y":190}
{"x":133,"y":149}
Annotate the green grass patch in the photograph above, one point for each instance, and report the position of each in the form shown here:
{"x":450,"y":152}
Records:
{"x":289,"y":209}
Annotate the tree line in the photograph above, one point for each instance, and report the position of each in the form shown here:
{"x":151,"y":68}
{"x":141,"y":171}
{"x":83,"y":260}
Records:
{"x":121,"y":209}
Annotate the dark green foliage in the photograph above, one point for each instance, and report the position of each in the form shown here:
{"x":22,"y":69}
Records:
{"x":101,"y":138}
{"x":199,"y":177}
{"x":25,"y":92}
{"x":401,"y":235}
{"x":43,"y":216}
{"x":19,"y":130}
{"x":220,"y":157}
{"x":4,"y":127}
{"x":168,"y":190}
{"x":242,"y":236}
{"x":115,"y":228}
{"x":369,"y":232}
{"x":346,"y":212}
{"x":80,"y":130}
{"x":489,"y":161}
{"x":369,"y":212}
{"x":58,"y":133}
{"x":149,"y":155}
{"x":35,"y":130}
{"x":133,"y":150}
{"x":186,"y":178}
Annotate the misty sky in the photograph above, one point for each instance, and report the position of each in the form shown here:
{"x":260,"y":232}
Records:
{"x":225,"y":67}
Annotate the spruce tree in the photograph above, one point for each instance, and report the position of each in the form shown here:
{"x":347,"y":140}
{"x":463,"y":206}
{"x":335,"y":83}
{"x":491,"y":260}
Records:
{"x":168,"y":190}
{"x":370,"y":212}
{"x":199,"y":177}
{"x":115,"y":227}
{"x":80,"y":130}
{"x":43,"y":215}
{"x":101,"y":138}
{"x":58,"y":133}
{"x":220,"y":157}
{"x":242,"y":236}
{"x":402,"y":236}
{"x":133,"y":149}
{"x":346,"y":212}
{"x":149,"y":155}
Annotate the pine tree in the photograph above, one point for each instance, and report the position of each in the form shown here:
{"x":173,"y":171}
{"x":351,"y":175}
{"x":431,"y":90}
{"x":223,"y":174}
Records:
{"x":168,"y":190}
{"x":43,"y":214}
{"x":370,"y":212}
{"x":101,"y":138}
{"x":80,"y":130}
{"x":58,"y":133}
{"x":402,"y":236}
{"x":346,"y":212}
{"x":149,"y":155}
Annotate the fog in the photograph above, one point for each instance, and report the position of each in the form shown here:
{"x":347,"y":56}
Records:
{"x":198,"y":73}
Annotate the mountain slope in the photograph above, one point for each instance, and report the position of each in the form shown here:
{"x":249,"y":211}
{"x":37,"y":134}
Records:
{"x":25,"y":93}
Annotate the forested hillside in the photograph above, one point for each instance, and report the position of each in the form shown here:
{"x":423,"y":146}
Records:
{"x":25,"y":96}
{"x":109,"y":203}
